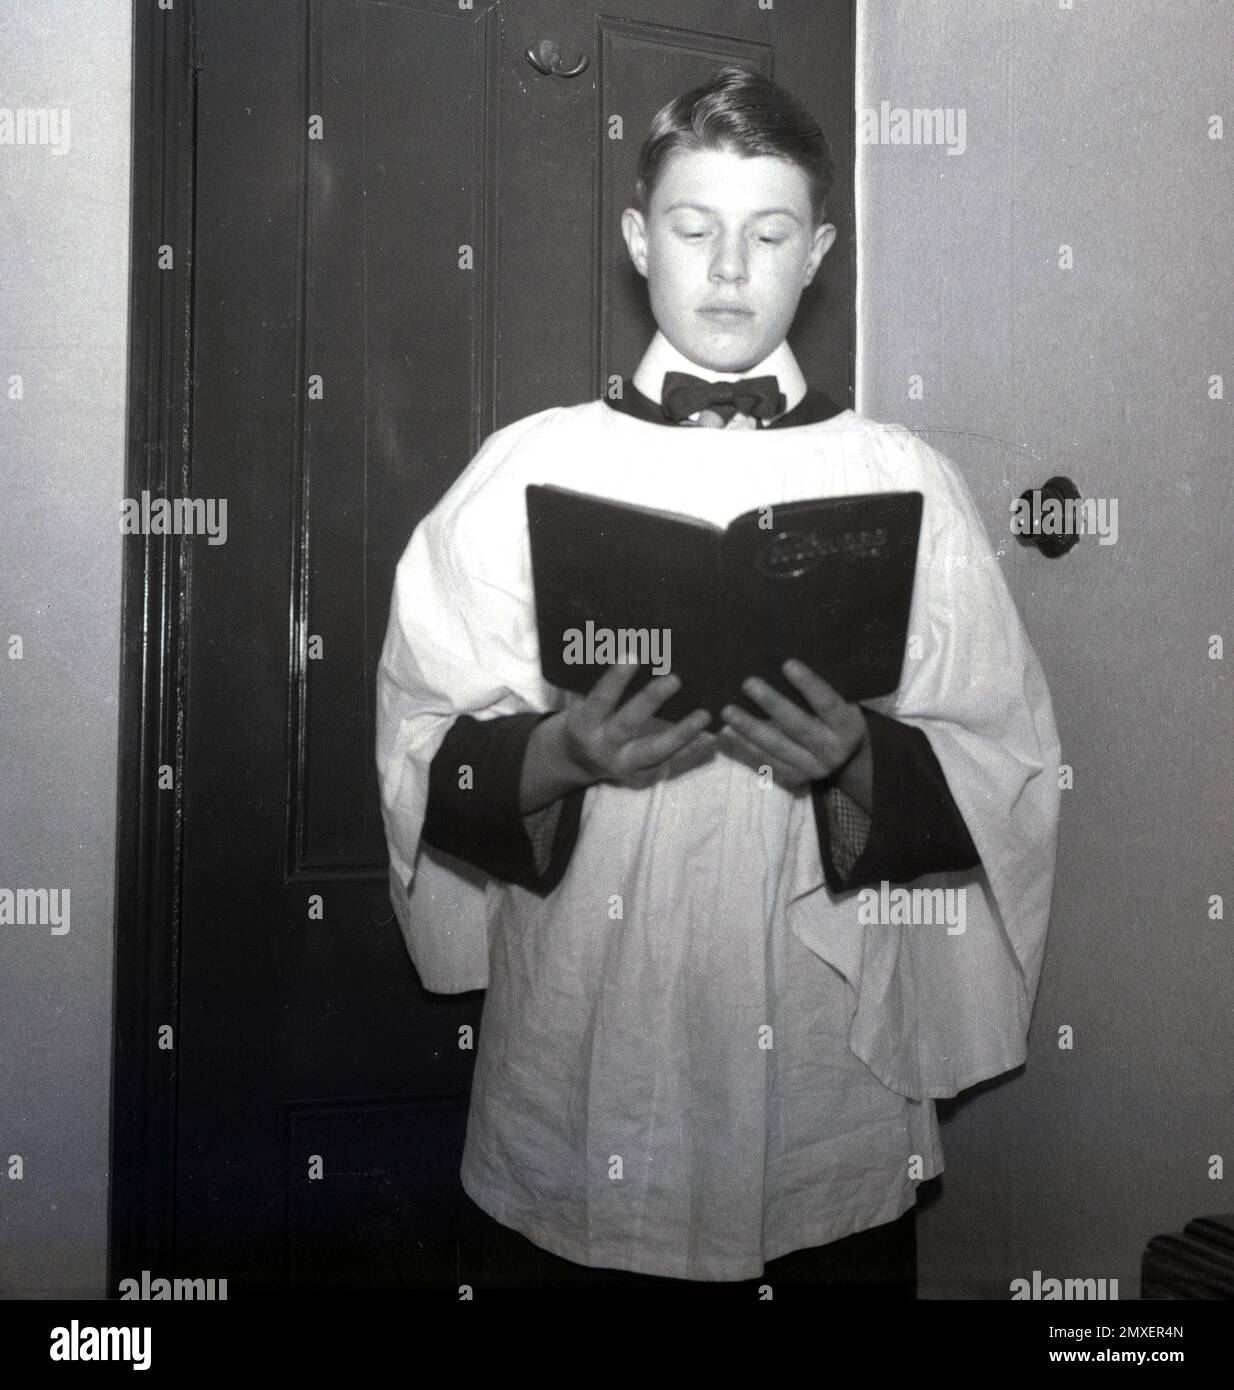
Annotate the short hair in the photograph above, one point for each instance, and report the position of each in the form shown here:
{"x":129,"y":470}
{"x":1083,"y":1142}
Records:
{"x":742,"y":111}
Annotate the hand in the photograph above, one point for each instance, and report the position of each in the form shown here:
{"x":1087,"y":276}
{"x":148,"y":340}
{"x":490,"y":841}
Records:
{"x":610,"y":744}
{"x":802,"y":747}
{"x":593,"y":741}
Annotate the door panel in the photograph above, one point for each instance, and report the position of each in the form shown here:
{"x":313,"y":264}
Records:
{"x":368,"y":305}
{"x":396,"y":332}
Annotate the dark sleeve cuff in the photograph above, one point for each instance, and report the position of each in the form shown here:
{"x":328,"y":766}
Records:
{"x":473,"y":804}
{"x":915,"y":826}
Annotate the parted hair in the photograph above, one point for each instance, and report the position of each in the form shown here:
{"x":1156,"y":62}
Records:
{"x":741,"y":111}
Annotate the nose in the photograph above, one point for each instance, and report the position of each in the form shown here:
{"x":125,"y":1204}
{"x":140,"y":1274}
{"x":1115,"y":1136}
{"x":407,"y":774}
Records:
{"x":728,"y":265}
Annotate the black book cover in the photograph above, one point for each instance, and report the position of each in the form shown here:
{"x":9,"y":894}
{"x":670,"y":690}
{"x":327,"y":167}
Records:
{"x":829,"y":581}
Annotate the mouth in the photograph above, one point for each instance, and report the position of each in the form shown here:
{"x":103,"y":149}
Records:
{"x":726,"y":313}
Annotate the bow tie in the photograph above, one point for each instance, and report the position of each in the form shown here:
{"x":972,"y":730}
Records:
{"x":683,"y":395}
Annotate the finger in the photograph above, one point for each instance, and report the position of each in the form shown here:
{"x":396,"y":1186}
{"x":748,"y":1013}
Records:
{"x":603,"y":696}
{"x":772,"y":741}
{"x":755,"y":757}
{"x":656,"y":748}
{"x":786,"y":714}
{"x":813,"y":732}
{"x":638,"y":709}
{"x":655,"y":725}
{"x":832,"y":733}
{"x":825,"y":700}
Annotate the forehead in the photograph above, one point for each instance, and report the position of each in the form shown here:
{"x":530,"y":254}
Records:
{"x":732,"y":184}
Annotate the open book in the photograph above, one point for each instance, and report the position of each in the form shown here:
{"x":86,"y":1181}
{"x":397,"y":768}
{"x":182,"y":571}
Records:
{"x":828,"y":581}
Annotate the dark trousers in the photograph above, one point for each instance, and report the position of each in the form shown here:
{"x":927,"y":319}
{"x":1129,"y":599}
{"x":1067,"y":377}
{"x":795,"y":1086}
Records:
{"x":876,"y":1264}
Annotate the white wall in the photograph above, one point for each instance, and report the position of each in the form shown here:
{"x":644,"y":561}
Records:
{"x":1087,"y":127}
{"x":64,"y":228}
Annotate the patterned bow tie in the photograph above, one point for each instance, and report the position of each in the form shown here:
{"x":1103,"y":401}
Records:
{"x":684,"y":395}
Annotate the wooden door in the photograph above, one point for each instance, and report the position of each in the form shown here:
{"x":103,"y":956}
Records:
{"x":405,"y":237}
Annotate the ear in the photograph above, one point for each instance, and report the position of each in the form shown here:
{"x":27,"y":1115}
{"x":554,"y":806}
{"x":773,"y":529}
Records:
{"x":824,"y":238}
{"x":634,"y":229}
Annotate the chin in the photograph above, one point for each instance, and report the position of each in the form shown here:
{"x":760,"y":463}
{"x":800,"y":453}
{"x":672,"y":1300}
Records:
{"x":734,"y":359}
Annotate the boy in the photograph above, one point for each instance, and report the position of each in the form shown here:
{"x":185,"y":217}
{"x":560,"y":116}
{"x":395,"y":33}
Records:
{"x":707,"y":1043}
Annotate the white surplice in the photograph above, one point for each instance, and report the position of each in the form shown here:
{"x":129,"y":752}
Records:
{"x":693,"y":1057}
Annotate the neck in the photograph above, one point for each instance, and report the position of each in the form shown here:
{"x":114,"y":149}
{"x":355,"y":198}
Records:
{"x":661,"y":356}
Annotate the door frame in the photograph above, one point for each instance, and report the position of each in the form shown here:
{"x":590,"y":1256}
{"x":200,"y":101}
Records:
{"x":154,"y":623}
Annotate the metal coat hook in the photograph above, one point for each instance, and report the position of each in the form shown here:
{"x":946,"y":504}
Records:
{"x":1051,"y":542}
{"x":545,"y":57}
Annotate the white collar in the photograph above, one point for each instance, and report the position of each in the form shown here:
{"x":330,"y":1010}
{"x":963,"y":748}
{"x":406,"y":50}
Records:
{"x":661,"y":356}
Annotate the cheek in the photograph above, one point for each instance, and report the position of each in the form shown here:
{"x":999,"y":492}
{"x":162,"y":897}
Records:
{"x":784,"y":284}
{"x":671,"y":276}
{"x":674,"y":259}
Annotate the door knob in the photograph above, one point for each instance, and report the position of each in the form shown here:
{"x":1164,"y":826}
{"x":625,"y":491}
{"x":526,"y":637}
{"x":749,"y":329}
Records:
{"x":1050,"y":516}
{"x":546,"y":57}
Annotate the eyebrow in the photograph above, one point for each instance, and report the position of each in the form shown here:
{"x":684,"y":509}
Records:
{"x":762,"y":212}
